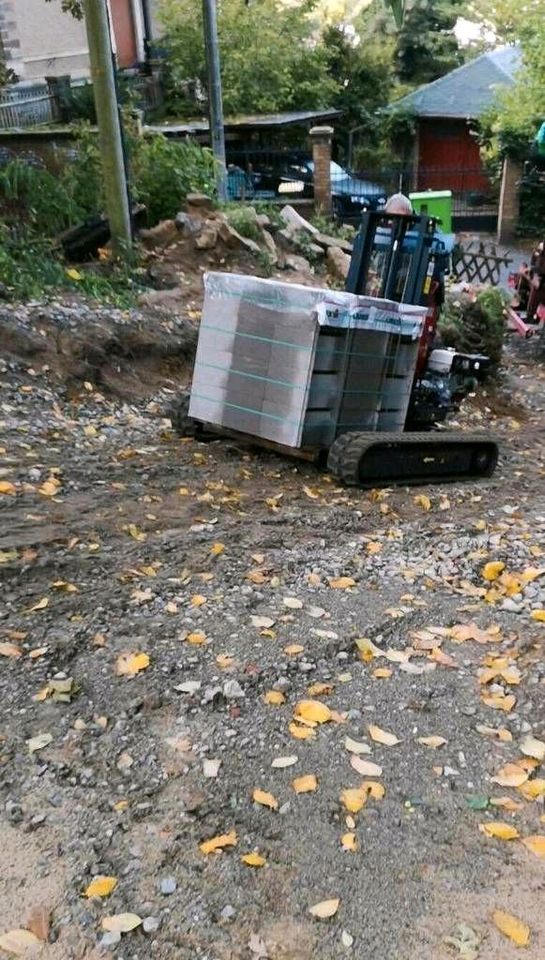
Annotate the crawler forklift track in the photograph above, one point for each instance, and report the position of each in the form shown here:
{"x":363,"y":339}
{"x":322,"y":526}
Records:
{"x":369,"y":459}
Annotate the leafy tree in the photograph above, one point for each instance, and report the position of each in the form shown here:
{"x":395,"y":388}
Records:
{"x":268,"y":58}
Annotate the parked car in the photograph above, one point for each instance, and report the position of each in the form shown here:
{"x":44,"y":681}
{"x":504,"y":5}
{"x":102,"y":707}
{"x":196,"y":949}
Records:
{"x":295,"y":178}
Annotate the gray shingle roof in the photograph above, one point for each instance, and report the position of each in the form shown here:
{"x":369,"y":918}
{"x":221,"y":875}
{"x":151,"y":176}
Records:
{"x":467,"y":91}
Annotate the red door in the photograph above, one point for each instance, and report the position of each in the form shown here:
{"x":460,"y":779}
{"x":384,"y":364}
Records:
{"x":449,"y":158}
{"x":124,"y":31}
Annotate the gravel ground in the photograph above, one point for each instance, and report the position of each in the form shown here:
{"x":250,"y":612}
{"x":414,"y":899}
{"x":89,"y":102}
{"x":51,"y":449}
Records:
{"x":236,"y":574}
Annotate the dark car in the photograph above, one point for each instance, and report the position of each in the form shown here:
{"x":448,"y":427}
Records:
{"x":296,"y":179}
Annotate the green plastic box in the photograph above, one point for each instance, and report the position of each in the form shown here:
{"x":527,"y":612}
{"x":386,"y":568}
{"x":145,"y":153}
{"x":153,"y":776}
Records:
{"x":436,"y":203}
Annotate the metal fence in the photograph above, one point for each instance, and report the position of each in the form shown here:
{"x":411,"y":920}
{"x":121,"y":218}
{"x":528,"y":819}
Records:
{"x":27,"y":106}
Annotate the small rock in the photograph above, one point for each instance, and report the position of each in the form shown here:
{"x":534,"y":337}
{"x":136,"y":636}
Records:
{"x":110,"y":938}
{"x":167,"y":886}
{"x":232,"y":690}
{"x":228,"y":912}
{"x":338,"y":262}
{"x":151,"y":924}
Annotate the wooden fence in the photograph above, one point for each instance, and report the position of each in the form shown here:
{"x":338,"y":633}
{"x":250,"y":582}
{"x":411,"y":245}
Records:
{"x":27,"y":106}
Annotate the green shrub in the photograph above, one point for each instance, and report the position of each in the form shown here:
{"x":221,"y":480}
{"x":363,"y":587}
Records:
{"x":242,"y":219}
{"x":163,"y":172}
{"x":475,"y":324}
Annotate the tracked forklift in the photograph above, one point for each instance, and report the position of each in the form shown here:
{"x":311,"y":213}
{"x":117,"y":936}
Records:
{"x":397,"y":259}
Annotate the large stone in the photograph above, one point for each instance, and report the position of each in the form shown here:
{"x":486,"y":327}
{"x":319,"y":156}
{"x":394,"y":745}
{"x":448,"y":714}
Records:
{"x":188,"y":225}
{"x":338,"y":262}
{"x":293,"y":261}
{"x":234,"y":240}
{"x":324,"y":240}
{"x":159,"y":236}
{"x":296,"y":221}
{"x":171,"y":300}
{"x":208,"y":237}
{"x":270,"y":247}
{"x":200,"y":200}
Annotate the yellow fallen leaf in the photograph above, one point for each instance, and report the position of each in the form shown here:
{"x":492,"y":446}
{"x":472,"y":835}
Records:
{"x":499,"y":702}
{"x":382,"y":673}
{"x":312,"y":711}
{"x":506,"y":803}
{"x":368,"y":650}
{"x":120,"y":806}
{"x":265,"y":799}
{"x":274,"y":697}
{"x":216,"y":549}
{"x":40,"y":605}
{"x":382,"y":736}
{"x":7,"y":488}
{"x":492,"y":570}
{"x":533,"y":789}
{"x":18,"y":942}
{"x":423,"y":501}
{"x":532,"y":573}
{"x":538,"y":615}
{"x":512,"y":928}
{"x":511,"y":775}
{"x":218,"y":843}
{"x":10,"y":650}
{"x":49,"y":487}
{"x":373,"y":789}
{"x":311,"y":494}
{"x":349,"y":841}
{"x":64,"y":586}
{"x":536,"y":844}
{"x":341,"y":583}
{"x":128,"y":664}
{"x":433,"y":741}
{"x":501,"y":733}
{"x":73,"y":274}
{"x":101,"y":887}
{"x":135,"y":533}
{"x":325,"y":909}
{"x":198,"y":600}
{"x":532,"y":747}
{"x":121,"y":922}
{"x":224,"y":662}
{"x":293,"y":649}
{"x":253,"y":859}
{"x":305,"y":784}
{"x":196,"y":639}
{"x":499,"y":830}
{"x":373,"y":547}
{"x":320,"y":689}
{"x":301,"y":733}
{"x":353,"y":799}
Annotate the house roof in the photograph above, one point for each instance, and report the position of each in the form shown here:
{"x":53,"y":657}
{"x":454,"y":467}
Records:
{"x":467,"y":91}
{"x":255,"y":122}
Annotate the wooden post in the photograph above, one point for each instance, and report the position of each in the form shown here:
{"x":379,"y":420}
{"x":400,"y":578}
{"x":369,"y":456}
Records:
{"x":322,"y":138}
{"x":509,"y":210}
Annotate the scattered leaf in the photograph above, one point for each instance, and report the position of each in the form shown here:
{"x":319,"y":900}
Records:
{"x":265,"y":799}
{"x":218,"y":843}
{"x":373,"y":789}
{"x":101,"y":887}
{"x":538,"y":615}
{"x":196,"y":639}
{"x":121,"y":922}
{"x":512,"y":928}
{"x":342,"y":583}
{"x":128,"y":664}
{"x":312,"y":711}
{"x":39,"y":923}
{"x":368,"y":650}
{"x":511,"y":775}
{"x":320,"y":689}
{"x":349,"y":841}
{"x":293,"y":603}
{"x":354,"y":746}
{"x":274,"y":697}
{"x":433,"y":741}
{"x":39,"y":742}
{"x":135,"y":533}
{"x":7,"y":488}
{"x":301,"y":733}
{"x":465,"y":940}
{"x":531,"y":747}
{"x":365,"y":767}
{"x":492,"y":570}
{"x":293,"y":649}
{"x":499,"y":830}
{"x":325,"y":909}
{"x":382,"y":673}
{"x":533,"y":789}
{"x":305,"y":784}
{"x":262,"y":622}
{"x":423,"y":501}
{"x":18,"y":942}
{"x":478,"y":802}
{"x":40,"y":605}
{"x":382,"y":736}
{"x":500,"y":702}
{"x":216,"y":549}
{"x":253,"y":859}
{"x":353,"y":799}
{"x":500,"y":733}
{"x":280,"y":763}
{"x":50,"y":487}
{"x":10,"y":650}
{"x":197,"y":600}
{"x":536,"y":844}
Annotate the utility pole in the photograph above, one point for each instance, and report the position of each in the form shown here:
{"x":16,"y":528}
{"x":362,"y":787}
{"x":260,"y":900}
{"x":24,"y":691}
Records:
{"x":109,"y":126}
{"x":215,"y":100}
